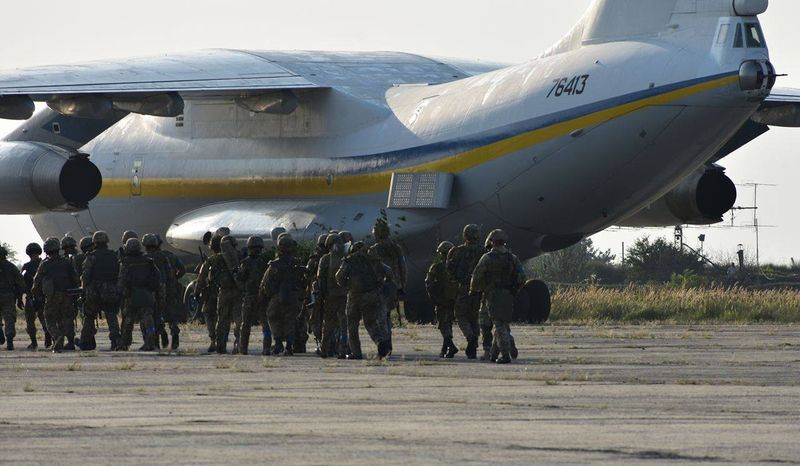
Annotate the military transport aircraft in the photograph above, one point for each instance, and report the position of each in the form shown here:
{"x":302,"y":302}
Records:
{"x":621,"y":122}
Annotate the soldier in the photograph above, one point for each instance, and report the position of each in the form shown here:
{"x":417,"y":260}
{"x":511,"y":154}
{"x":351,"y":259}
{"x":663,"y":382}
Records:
{"x":56,"y":275}
{"x":139,"y":281}
{"x":99,"y":278}
{"x":209,"y":293}
{"x":173,"y":314}
{"x":150,"y":243}
{"x":249,"y":275}
{"x":461,"y":262}
{"x":221,"y":268}
{"x":125,"y":237}
{"x":390,"y":254}
{"x":442,"y":290}
{"x":70,"y":248}
{"x":363,"y":276}
{"x":33,"y":305}
{"x":12,"y":286}
{"x":282,"y":288}
{"x":347,"y":241}
{"x":499,"y":276}
{"x":333,"y":299}
{"x":313,"y":300}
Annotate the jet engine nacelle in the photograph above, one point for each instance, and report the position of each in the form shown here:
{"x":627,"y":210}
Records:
{"x":701,"y":199}
{"x":37,"y":178}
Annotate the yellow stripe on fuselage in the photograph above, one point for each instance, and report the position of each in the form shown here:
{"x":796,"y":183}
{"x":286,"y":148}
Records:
{"x":344,"y":185}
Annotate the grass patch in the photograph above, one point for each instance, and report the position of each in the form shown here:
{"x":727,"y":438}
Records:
{"x":642,"y":304}
{"x":75,"y":366}
{"x":125,"y":366}
{"x":28,"y":388}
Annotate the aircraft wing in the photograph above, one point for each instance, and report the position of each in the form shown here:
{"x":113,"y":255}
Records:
{"x":781,"y":108}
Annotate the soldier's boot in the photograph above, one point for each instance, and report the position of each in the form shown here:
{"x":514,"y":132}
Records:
{"x":495,"y":352}
{"x":289,"y":351}
{"x":472,"y":348}
{"x":452,"y":349}
{"x":514,"y":350}
{"x":149,"y":342}
{"x":244,"y":344}
{"x":70,"y":346}
{"x":34,"y":344}
{"x":384,"y":349}
{"x":48,"y":340}
{"x":176,"y":340}
{"x":266,"y":346}
{"x":164,"y":338}
{"x":443,"y":352}
{"x":222,"y":346}
{"x":277,"y":350}
{"x":10,"y":343}
{"x":299,"y":347}
{"x":486,"y":356}
{"x":504,"y":359}
{"x":2,"y":336}
{"x":58,"y":345}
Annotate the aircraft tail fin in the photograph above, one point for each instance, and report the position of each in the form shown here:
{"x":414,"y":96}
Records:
{"x":616,"y":20}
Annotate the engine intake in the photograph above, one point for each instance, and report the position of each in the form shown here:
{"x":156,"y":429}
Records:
{"x":37,"y":178}
{"x":701,"y":199}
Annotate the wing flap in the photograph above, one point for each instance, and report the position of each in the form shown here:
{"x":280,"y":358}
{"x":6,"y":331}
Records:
{"x":781,"y":108}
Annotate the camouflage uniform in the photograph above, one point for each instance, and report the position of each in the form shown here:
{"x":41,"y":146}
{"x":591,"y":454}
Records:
{"x":174,"y":311}
{"x":33,"y":305}
{"x":442,"y":290}
{"x":209,"y":293}
{"x":333,"y":300}
{"x":282,"y":288}
{"x":390,"y":254}
{"x":69,"y":246}
{"x":56,"y":275}
{"x":312,"y":300}
{"x":249,"y":275}
{"x":499,"y":276}
{"x":461,"y":262}
{"x":12,"y":286}
{"x":139,"y":281}
{"x":99,"y":277}
{"x":229,"y":300}
{"x":363,"y":276}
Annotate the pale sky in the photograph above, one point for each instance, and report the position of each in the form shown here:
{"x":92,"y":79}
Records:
{"x":38,"y":32}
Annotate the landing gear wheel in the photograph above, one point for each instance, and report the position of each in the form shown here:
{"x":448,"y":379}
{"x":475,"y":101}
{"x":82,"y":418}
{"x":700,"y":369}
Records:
{"x":532,"y":305}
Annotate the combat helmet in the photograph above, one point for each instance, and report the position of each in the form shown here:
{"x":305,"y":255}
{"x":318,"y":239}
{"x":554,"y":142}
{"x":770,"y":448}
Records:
{"x":381,"y":230}
{"x":444,"y":248}
{"x":149,"y":241}
{"x":100,"y":237}
{"x":52,"y":246}
{"x":228,"y":240}
{"x":285,"y":243}
{"x":322,"y":239}
{"x":222,"y":232}
{"x":133,"y":246}
{"x":255,"y":242}
{"x":276,"y":233}
{"x":498,"y":235}
{"x":128,"y":235}
{"x":86,"y":244}
{"x":346,"y":236}
{"x":3,"y":252}
{"x":472,"y":232}
{"x":68,"y":243}
{"x":332,"y":240}
{"x":33,"y":249}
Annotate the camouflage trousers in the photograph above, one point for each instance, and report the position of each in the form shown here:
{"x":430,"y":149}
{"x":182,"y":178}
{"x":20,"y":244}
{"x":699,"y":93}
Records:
{"x":316,"y":320}
{"x":370,"y":308}
{"x":466,"y":312}
{"x":445,"y":315}
{"x":130,"y":315}
{"x":210,"y":312}
{"x":502,"y":336}
{"x":8,"y":309}
{"x":301,"y":327}
{"x":34,"y":310}
{"x":334,"y":325}
{"x":229,"y":308}
{"x":97,"y":308}
{"x":59,"y":313}
{"x":252,"y":312}
{"x":282,"y":319}
{"x":170,"y":315}
{"x":486,"y":324}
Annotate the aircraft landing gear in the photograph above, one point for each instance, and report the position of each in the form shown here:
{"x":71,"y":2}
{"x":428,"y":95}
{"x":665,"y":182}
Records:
{"x":533,"y":303}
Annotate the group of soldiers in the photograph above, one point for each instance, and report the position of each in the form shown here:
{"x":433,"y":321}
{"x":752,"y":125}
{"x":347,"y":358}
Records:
{"x":343,"y":284}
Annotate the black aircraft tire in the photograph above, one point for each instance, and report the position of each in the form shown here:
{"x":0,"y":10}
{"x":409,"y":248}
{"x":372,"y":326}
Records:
{"x":533,"y":303}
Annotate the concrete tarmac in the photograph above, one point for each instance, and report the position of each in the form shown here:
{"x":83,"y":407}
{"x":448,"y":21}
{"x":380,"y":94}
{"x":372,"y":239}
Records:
{"x":577,"y":395}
